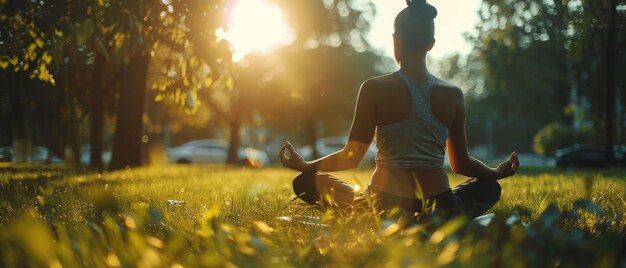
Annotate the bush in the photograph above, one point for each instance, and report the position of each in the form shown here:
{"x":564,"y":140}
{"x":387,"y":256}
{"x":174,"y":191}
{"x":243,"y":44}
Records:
{"x":558,"y":135}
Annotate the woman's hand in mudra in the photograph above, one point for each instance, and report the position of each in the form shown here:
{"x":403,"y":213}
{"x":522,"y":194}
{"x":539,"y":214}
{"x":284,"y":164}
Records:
{"x":508,"y":167}
{"x":291,"y":159}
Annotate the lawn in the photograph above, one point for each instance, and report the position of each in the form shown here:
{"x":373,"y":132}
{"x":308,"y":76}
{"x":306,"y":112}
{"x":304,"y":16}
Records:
{"x":217,"y":216}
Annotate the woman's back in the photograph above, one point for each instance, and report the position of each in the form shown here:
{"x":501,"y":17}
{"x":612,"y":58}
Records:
{"x":423,"y":128}
{"x":393,"y":99}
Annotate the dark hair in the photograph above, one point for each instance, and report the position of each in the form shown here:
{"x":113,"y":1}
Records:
{"x":415,"y":26}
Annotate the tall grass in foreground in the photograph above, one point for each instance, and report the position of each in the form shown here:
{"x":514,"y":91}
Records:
{"x":189,"y":216}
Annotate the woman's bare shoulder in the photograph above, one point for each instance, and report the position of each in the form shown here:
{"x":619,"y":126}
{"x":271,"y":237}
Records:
{"x":383,"y":79}
{"x":381,"y":82}
{"x":447,"y":88}
{"x":443,"y":84}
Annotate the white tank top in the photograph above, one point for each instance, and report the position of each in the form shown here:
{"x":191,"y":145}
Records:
{"x":419,"y":139}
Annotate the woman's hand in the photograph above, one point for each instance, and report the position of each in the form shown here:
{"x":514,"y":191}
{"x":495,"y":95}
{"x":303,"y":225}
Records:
{"x":508,"y":167}
{"x":293,"y":160}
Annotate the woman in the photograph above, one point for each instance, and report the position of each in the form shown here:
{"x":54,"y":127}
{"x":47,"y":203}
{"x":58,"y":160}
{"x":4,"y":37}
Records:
{"x":413,"y":115}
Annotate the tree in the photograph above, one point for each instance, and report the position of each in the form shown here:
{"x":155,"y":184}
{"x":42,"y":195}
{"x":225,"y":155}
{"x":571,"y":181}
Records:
{"x":330,"y":41}
{"x":326,"y":63}
{"x":29,"y":34}
{"x":537,"y":53}
{"x":180,"y":26}
{"x":109,"y":37}
{"x":100,"y":51}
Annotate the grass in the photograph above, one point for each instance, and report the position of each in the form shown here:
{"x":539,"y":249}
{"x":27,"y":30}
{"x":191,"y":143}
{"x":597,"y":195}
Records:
{"x":189,"y":216}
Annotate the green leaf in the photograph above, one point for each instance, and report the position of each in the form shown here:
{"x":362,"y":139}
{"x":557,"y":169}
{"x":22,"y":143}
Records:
{"x":39,"y":42}
{"x":14,"y":61}
{"x":550,"y":216}
{"x":4,"y":63}
{"x":85,"y":30}
{"x":100,"y":46}
{"x":448,"y":229}
{"x":41,"y":200}
{"x":159,"y":97}
{"x":208,"y":81}
{"x":46,"y":58}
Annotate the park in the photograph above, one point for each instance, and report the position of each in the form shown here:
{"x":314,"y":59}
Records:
{"x":168,"y":133}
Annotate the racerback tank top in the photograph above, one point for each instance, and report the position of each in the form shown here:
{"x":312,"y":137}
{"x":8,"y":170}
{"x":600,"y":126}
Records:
{"x":419,"y":139}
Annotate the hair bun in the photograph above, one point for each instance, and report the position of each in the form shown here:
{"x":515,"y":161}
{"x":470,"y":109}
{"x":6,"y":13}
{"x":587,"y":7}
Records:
{"x":422,"y":9}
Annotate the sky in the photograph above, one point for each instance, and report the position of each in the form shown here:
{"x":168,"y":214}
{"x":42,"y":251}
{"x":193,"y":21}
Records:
{"x":249,"y":20}
{"x":455,"y":17}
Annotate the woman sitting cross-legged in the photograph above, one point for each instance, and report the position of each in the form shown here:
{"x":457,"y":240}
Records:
{"x":414,"y":115}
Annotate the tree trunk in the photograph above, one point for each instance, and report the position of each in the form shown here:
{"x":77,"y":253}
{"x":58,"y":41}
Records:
{"x":238,"y":112}
{"x":96,"y":129}
{"x":96,"y":114}
{"x":311,"y":134}
{"x":22,"y":138}
{"x":129,"y":126}
{"x":610,"y":85}
{"x":235,"y":140}
{"x":74,"y":140}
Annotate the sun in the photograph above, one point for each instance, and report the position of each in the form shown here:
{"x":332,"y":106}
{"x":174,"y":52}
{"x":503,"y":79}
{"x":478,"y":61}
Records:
{"x":256,"y":26}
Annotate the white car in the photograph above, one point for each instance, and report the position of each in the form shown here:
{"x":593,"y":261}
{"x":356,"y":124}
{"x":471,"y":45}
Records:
{"x":214,"y":151}
{"x":329,"y":145}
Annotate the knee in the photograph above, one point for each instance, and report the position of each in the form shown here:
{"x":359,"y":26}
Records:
{"x":493,"y":190}
{"x":310,"y":186}
{"x":304,"y":181}
{"x":304,"y":187}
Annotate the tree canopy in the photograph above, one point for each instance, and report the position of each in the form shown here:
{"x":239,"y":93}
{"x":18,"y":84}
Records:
{"x":543,"y":62}
{"x":102,"y":56}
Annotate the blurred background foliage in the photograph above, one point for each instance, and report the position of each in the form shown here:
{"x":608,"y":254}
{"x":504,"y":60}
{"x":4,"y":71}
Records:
{"x":558,"y":135}
{"x":124,"y":75}
{"x":537,"y":63}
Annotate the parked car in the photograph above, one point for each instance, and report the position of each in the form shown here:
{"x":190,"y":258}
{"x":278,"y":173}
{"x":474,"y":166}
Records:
{"x":6,"y":154}
{"x":214,"y":151}
{"x":329,"y":145}
{"x":85,"y":155}
{"x":37,"y":154}
{"x":535,"y":160}
{"x":588,"y":156}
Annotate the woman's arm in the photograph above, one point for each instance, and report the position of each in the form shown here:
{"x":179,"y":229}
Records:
{"x":460,"y":160}
{"x":361,"y":135}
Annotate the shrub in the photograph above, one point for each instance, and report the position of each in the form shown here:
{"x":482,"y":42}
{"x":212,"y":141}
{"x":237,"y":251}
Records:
{"x":558,"y":135}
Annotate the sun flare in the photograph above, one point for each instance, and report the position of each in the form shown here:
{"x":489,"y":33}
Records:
{"x":256,"y":26}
